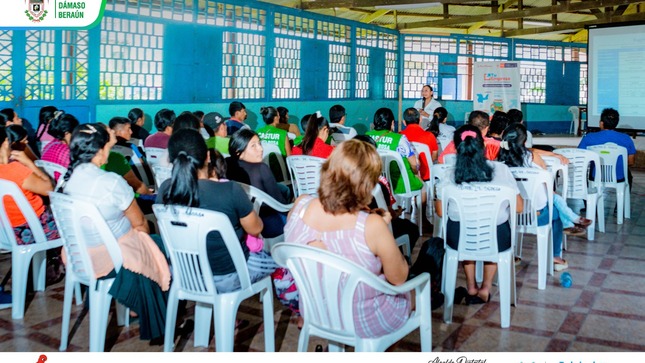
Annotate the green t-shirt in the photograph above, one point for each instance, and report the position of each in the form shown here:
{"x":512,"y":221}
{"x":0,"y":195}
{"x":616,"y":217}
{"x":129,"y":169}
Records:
{"x":117,"y":163}
{"x":387,"y":140}
{"x":218,"y":143}
{"x":272,"y":135}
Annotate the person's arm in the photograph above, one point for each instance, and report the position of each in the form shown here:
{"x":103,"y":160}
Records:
{"x":537,"y":159}
{"x":137,"y":185}
{"x":36,"y":184}
{"x":519,"y":204}
{"x":631,"y":159}
{"x":381,"y":242}
{"x":37,"y":173}
{"x":252,"y":224}
{"x":434,"y":155}
{"x":136,"y":218}
{"x":540,"y":152}
{"x":293,"y":128}
{"x":287,"y":146}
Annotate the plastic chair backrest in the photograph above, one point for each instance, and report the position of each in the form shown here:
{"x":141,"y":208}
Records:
{"x":560,"y":174}
{"x":423,"y":149}
{"x":478,"y":206}
{"x":327,"y":283}
{"x":259,"y":198}
{"x":161,"y":173}
{"x":184,"y":231}
{"x":55,"y":171}
{"x":9,"y":189}
{"x":346,"y":133}
{"x":610,"y":153}
{"x":437,"y":174}
{"x":579,"y":163}
{"x":377,"y":194}
{"x":532,"y":182}
{"x":78,"y":222}
{"x":136,"y":162}
{"x":305,"y":173}
{"x":157,"y":156}
{"x":388,"y":157}
{"x":575,"y":113}
{"x":271,"y":149}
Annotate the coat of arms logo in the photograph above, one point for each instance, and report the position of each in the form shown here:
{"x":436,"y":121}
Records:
{"x":36,"y":10}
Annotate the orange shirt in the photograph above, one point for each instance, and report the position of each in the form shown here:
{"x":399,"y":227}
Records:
{"x":17,"y":173}
{"x":415,"y":133}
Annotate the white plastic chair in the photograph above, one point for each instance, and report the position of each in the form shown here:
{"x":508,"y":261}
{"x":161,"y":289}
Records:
{"x":437,"y":174}
{"x":560,"y":174}
{"x":80,"y":223}
{"x":580,"y":187}
{"x":259,"y":198}
{"x":55,"y":171}
{"x":136,"y":162}
{"x":305,"y":174}
{"x":575,"y":117}
{"x":401,"y":241}
{"x":22,"y":255}
{"x":409,"y":197}
{"x":272,"y":152}
{"x":161,"y":173}
{"x":424,"y":149}
{"x":533,"y":182}
{"x":346,"y":133}
{"x":609,"y":159}
{"x":478,"y":208}
{"x":450,"y":159}
{"x":157,"y":156}
{"x":327,"y":284}
{"x":184,"y":232}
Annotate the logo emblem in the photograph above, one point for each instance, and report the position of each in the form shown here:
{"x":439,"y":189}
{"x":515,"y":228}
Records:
{"x":36,"y":10}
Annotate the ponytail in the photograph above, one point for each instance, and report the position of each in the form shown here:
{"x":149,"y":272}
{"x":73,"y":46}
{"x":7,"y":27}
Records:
{"x":471,"y":165}
{"x":314,"y":125}
{"x":187,"y":152}
{"x":45,"y":116}
{"x":87,"y":140}
{"x":438,"y":116}
{"x":512,"y":150}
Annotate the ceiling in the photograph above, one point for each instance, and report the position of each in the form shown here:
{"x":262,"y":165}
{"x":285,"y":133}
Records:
{"x":559,"y":20}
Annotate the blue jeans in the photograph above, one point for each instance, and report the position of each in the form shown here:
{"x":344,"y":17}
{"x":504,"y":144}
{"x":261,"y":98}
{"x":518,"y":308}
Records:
{"x":556,"y":228}
{"x":567,"y":215}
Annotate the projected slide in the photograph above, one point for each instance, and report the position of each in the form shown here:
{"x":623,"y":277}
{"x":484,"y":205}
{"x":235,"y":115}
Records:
{"x":616,"y":74}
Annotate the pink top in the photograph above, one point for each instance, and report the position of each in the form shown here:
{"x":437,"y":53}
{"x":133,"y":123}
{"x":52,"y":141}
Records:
{"x":56,"y":152}
{"x":375,"y":314}
{"x":45,"y":136}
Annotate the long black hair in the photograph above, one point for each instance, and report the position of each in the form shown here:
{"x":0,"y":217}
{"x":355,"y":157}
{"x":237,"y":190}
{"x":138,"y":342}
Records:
{"x":187,"y":153}
{"x":87,"y":140}
{"x":383,"y":119}
{"x":268,"y":114}
{"x":16,"y":134}
{"x":45,"y":116}
{"x":314,"y":125}
{"x":511,"y":149}
{"x":135,"y":114}
{"x":239,"y":141}
{"x":438,"y":116}
{"x":62,"y":124}
{"x":471,"y":163}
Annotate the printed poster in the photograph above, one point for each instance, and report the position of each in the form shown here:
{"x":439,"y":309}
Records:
{"x":496,"y":86}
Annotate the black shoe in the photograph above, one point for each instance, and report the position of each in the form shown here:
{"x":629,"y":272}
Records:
{"x":460,"y":294}
{"x":436,"y":300}
{"x":475,"y":299}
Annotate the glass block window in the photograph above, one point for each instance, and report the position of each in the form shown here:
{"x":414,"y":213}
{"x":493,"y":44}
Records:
{"x":339,"y":71}
{"x":419,"y":70}
{"x":391,"y":72}
{"x":532,"y":82}
{"x":538,"y":52}
{"x":166,"y":9}
{"x":286,"y":68}
{"x":387,"y":41}
{"x":131,"y":60}
{"x":483,"y":48}
{"x":74,"y":65}
{"x":6,"y":65}
{"x":430,"y":44}
{"x":575,"y":54}
{"x":362,"y":73}
{"x":465,"y":76}
{"x":242,"y":17}
{"x":584,"y":74}
{"x":294,"y":25}
{"x":366,"y":37}
{"x":39,"y":65}
{"x":333,"y":31}
{"x":243,"y":65}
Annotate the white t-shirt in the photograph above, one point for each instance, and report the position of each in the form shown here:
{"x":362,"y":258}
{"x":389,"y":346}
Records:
{"x":529,"y":139}
{"x":109,"y":192}
{"x":502,"y":176}
{"x":425,"y":121}
{"x":446,"y":133}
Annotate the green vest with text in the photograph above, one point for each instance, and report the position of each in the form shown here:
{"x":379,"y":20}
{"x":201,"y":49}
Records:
{"x":387,"y":140}
{"x":270,"y":134}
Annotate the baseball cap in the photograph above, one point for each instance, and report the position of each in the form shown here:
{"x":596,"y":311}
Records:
{"x":213,"y":120}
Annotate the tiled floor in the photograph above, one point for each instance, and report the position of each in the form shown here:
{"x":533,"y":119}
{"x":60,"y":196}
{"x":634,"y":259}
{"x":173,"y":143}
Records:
{"x":602,"y":311}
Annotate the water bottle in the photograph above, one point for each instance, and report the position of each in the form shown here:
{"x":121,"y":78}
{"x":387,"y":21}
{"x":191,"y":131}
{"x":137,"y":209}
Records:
{"x":565,"y":280}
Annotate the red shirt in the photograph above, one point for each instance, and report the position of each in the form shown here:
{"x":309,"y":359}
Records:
{"x":491,"y":145}
{"x":416,"y":133}
{"x":320,"y":149}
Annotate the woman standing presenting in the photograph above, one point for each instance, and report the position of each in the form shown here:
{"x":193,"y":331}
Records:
{"x":426,"y":105}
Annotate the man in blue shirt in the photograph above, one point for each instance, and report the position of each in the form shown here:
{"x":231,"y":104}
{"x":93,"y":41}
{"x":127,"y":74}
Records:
{"x":608,"y":121}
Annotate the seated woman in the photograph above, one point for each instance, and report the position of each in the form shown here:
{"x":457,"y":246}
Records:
{"x":513,"y":152}
{"x":192,"y":185}
{"x":17,"y":167}
{"x":60,"y":128}
{"x":313,"y":143}
{"x":473,"y":168}
{"x":336,"y":222}
{"x":271,"y":134}
{"x":143,"y":281}
{"x":45,"y":117}
{"x":245,"y":166}
{"x":284,"y":121}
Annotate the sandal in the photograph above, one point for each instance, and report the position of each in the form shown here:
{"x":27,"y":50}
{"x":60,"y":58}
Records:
{"x":476,"y":299}
{"x":575,"y":231}
{"x":583,"y":222}
{"x":560,"y":266}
